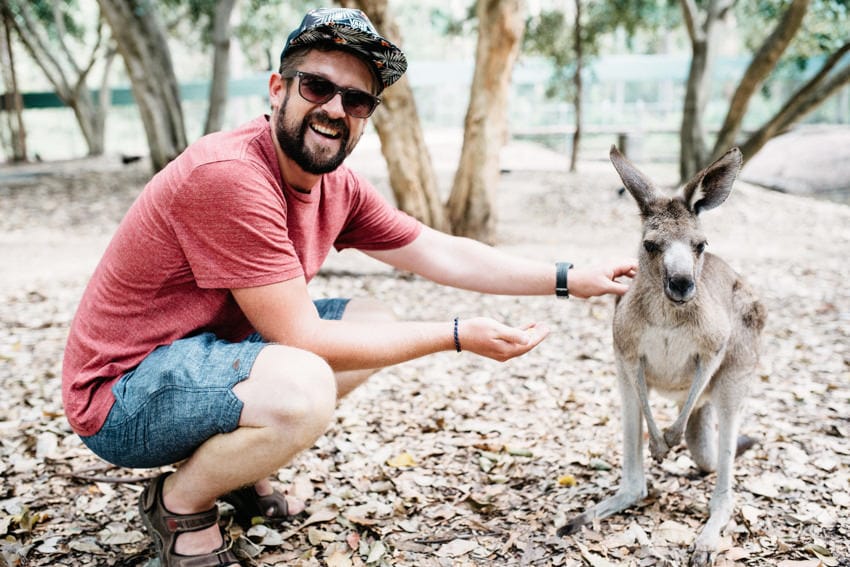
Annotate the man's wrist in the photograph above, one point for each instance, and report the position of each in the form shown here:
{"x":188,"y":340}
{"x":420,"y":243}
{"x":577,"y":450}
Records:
{"x":562,"y":283}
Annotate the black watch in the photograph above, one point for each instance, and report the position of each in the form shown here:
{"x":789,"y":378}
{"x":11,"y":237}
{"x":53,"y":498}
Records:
{"x":562,"y":286}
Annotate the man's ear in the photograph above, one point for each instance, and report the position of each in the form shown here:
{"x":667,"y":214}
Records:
{"x":277,"y":86}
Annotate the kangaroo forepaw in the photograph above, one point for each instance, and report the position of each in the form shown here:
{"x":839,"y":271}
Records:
{"x":672,"y":437}
{"x":658,"y":448}
{"x":745,"y":443}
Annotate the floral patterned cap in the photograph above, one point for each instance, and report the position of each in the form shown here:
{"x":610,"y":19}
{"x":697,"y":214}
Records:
{"x":352,"y":30}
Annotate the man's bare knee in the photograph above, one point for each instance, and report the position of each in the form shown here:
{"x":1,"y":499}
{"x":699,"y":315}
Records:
{"x":288,"y":389}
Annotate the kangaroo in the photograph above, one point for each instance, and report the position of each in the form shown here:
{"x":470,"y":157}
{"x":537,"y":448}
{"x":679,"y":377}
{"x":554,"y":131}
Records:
{"x":689,"y":328}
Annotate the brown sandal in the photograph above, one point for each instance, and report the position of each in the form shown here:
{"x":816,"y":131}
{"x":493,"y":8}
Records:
{"x":250,"y":508}
{"x":165,"y":526}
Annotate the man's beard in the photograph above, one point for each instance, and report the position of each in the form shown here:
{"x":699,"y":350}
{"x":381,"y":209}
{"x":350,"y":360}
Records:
{"x":291,"y":139}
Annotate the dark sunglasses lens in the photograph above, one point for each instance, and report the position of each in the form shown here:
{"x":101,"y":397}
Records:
{"x":316,"y":89}
{"x":357,"y":104}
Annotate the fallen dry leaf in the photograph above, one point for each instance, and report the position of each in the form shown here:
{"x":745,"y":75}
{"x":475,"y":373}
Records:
{"x":403,"y":460}
{"x":558,"y":403}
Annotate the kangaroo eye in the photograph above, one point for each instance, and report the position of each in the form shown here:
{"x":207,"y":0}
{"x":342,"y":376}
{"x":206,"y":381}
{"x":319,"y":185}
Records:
{"x":651,"y":247}
{"x":700,"y":247}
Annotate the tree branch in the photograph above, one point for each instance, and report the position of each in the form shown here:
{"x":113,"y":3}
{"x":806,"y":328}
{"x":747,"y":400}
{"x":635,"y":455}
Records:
{"x":762,"y":64}
{"x":61,"y":33}
{"x":689,"y":13}
{"x":807,"y":98}
{"x":82,"y":74}
{"x":30,"y":36}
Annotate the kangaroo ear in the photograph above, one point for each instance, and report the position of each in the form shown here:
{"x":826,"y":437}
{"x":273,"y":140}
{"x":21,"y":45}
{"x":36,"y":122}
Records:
{"x":710,"y":187}
{"x":635,"y":182}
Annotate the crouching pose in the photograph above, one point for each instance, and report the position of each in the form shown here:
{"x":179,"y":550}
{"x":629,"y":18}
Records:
{"x":196,"y":341}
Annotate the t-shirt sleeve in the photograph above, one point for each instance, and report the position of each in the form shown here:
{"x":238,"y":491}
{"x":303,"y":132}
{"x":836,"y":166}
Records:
{"x":230,"y":221}
{"x":373,"y":223}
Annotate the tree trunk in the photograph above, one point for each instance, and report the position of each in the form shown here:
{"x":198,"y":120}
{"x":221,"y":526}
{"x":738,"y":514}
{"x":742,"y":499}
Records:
{"x":472,"y":204}
{"x":412,"y":176}
{"x":411,"y":171}
{"x":143,"y":46}
{"x":13,"y":104}
{"x":691,"y":136}
{"x":104,"y":103}
{"x":759,"y":68}
{"x":577,"y":46}
{"x":807,"y":98}
{"x":693,"y":152}
{"x":221,"y":65}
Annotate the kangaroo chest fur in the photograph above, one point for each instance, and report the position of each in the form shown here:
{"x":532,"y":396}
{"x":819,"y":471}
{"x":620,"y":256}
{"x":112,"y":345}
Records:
{"x":670,"y":341}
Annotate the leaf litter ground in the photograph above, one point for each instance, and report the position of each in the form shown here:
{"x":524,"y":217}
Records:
{"x":453,"y":460}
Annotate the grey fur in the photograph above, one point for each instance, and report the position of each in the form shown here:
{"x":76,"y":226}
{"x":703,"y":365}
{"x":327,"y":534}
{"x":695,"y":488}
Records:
{"x":689,"y":328}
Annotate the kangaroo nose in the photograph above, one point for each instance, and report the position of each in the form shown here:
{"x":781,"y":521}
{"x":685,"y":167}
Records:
{"x":681,"y":286}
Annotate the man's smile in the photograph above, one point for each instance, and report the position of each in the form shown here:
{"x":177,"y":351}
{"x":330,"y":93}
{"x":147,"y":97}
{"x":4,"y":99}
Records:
{"x":326,"y":131}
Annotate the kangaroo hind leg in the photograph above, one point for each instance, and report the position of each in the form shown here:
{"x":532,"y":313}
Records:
{"x":726,"y":409}
{"x":701,"y":437}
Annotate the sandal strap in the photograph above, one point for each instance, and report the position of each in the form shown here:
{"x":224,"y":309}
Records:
{"x":155,"y":509}
{"x":180,"y":523}
{"x":164,"y":527}
{"x":223,"y":556}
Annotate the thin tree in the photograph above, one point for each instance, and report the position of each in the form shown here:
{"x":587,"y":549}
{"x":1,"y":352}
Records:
{"x":472,"y":203}
{"x":577,"y":86}
{"x":701,"y":27}
{"x":212,"y":19}
{"x":13,"y":105}
{"x":142,"y":44}
{"x":44,"y":29}
{"x":570,"y":45}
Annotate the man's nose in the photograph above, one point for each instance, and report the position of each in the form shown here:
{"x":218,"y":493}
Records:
{"x":334,"y":106}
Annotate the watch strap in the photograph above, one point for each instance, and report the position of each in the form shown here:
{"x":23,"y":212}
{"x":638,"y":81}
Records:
{"x":562,"y":287}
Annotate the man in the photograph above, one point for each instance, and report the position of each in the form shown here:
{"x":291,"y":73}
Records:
{"x":196,"y":339}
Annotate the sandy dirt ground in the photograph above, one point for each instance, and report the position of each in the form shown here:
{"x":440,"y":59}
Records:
{"x":452,"y":460}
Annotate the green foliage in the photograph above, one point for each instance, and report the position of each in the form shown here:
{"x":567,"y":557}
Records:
{"x":45,"y":12}
{"x":449,"y":24}
{"x":264,"y":27}
{"x":824,"y":30}
{"x":551,"y":32}
{"x":193,"y":15}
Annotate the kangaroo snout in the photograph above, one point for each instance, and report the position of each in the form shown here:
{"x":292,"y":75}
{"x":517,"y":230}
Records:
{"x":679,"y":288}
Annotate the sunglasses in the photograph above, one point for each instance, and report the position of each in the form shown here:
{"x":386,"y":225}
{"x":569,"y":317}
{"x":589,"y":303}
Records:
{"x":318,"y":90}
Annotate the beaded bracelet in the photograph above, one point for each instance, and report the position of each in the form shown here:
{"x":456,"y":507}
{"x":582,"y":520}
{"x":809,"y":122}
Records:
{"x":457,"y":338}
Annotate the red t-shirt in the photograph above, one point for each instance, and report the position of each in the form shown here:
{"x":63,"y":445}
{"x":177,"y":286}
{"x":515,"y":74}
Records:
{"x":218,"y":217}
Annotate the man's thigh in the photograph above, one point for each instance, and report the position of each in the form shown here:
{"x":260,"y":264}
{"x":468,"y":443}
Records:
{"x":179,"y":396}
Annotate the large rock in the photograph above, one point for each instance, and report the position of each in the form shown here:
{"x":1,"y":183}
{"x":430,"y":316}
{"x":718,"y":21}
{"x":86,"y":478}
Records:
{"x":809,"y":160}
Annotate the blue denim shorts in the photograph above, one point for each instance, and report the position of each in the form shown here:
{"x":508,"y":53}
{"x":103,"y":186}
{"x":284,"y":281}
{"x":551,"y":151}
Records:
{"x":179,"y":396}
